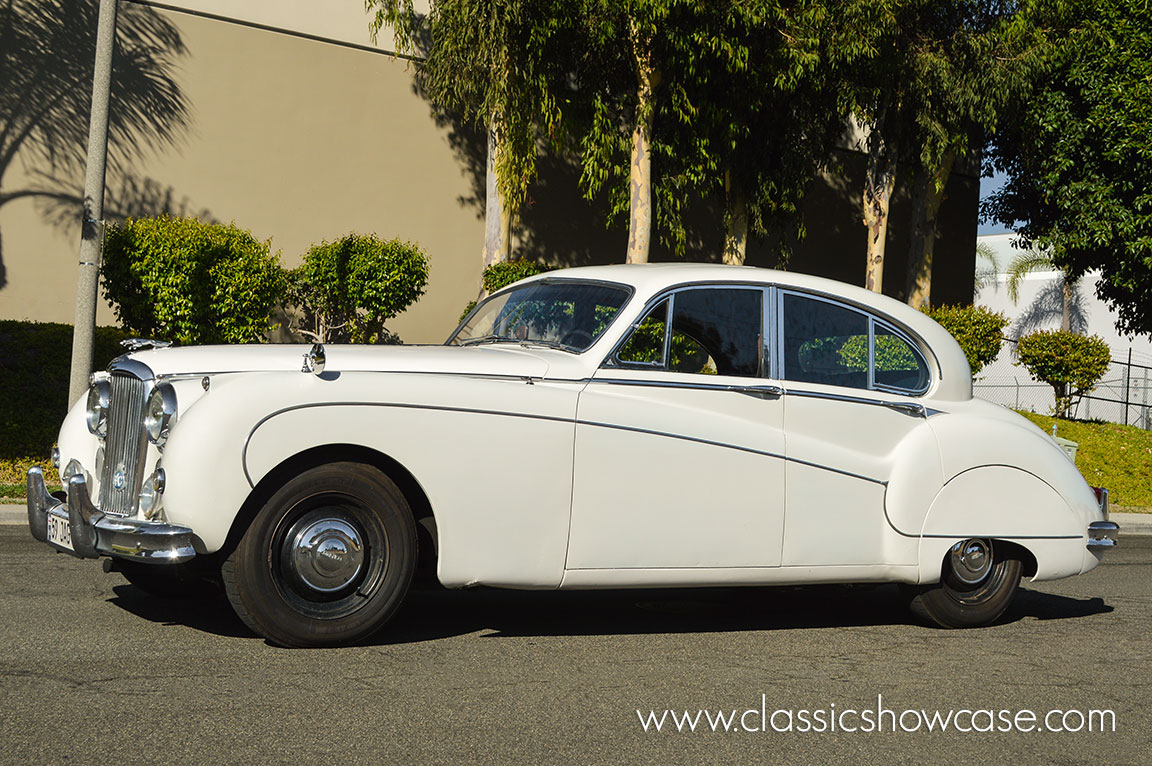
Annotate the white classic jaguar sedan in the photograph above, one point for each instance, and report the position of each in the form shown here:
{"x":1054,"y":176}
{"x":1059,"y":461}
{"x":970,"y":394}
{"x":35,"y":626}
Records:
{"x":608,"y":427}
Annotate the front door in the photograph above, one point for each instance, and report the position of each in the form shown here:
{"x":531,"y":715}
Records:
{"x":679,"y":454}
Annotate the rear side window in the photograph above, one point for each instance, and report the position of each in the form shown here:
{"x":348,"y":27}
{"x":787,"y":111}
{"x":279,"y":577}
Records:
{"x":832,"y":344}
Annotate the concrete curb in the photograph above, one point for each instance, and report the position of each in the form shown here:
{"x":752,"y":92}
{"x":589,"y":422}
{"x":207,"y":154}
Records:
{"x":1130,"y":523}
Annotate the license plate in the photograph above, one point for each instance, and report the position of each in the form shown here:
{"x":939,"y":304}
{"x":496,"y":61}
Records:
{"x":59,"y":533}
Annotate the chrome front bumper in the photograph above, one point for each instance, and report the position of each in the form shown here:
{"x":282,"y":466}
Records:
{"x":1102,"y":535}
{"x":96,"y":534}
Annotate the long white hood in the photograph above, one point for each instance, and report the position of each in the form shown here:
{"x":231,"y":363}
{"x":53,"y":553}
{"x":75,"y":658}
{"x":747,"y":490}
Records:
{"x":491,"y":359}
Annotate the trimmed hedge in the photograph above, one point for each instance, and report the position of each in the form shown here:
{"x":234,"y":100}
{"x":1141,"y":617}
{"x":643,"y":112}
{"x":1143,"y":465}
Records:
{"x":34,"y":372}
{"x":190,"y":282}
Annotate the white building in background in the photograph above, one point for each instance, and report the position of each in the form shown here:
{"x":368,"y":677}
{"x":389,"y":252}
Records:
{"x":1129,"y":377}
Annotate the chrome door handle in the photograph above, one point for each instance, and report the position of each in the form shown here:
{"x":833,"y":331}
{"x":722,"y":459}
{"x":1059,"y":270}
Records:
{"x":908,"y":408}
{"x":760,"y":392}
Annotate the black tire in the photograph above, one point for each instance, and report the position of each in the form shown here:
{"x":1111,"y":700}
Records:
{"x":327,"y":560}
{"x":178,"y":581}
{"x":970,"y":597}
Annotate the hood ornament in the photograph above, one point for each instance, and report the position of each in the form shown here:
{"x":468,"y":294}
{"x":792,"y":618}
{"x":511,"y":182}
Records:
{"x":141,"y":344}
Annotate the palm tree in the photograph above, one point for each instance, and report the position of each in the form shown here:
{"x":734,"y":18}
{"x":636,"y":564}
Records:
{"x":987,"y":272}
{"x":47,"y":54}
{"x":1060,"y":298}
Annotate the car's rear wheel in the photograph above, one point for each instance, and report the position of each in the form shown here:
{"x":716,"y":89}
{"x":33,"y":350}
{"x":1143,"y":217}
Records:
{"x":327,"y":560}
{"x":978,"y":581}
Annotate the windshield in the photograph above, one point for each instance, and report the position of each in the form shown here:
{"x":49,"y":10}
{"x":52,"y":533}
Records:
{"x":563,"y":314}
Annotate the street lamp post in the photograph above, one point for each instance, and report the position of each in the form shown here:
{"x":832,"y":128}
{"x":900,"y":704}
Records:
{"x":92,"y":236}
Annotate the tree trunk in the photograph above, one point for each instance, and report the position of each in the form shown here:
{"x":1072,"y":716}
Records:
{"x":497,"y":216}
{"x":640,"y":168}
{"x":928,"y":194}
{"x":1067,"y":286}
{"x":736,"y":228}
{"x":878,"y":184}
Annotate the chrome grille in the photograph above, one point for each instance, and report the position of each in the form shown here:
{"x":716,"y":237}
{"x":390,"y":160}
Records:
{"x":125,"y":446}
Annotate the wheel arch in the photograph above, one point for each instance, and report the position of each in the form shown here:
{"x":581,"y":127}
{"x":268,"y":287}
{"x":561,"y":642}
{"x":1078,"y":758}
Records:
{"x":313,"y":457}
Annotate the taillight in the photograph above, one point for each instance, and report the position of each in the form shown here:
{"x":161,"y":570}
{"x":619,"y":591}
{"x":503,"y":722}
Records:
{"x":1102,"y":500}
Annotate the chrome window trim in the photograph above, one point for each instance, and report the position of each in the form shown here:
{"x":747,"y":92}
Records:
{"x":669,"y":293}
{"x":611,"y":359}
{"x":888,"y":326}
{"x":918,"y":346}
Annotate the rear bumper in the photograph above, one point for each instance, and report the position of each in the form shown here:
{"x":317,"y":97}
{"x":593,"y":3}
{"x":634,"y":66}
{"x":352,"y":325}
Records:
{"x":1102,"y":535}
{"x":94,"y":534}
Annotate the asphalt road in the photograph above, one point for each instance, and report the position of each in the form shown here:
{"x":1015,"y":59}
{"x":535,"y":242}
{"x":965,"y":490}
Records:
{"x":92,"y":670}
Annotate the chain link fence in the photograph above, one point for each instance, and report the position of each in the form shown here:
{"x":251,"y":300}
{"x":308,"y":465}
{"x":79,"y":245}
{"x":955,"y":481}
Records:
{"x":1123,"y":395}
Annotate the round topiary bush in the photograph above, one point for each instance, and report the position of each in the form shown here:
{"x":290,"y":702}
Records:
{"x":347,"y":289}
{"x":190,"y":282}
{"x":1072,"y":364}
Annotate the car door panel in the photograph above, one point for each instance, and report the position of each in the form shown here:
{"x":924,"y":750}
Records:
{"x":671,"y":475}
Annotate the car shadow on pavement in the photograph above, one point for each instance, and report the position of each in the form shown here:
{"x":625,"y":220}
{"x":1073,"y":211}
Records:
{"x":210,"y":614}
{"x":429,"y":614}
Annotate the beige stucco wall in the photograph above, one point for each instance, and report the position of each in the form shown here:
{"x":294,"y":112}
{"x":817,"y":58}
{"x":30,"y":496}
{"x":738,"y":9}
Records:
{"x":298,"y":141}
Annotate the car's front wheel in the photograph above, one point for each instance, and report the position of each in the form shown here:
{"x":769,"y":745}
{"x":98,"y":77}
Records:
{"x":978,"y":582}
{"x":327,"y":560}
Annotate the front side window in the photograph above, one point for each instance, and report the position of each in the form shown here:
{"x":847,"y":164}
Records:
{"x":835,"y":345}
{"x":706,"y":331}
{"x":562,"y":314}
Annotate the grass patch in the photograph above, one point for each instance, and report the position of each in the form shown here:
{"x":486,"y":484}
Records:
{"x":14,"y":476}
{"x":1110,"y":455}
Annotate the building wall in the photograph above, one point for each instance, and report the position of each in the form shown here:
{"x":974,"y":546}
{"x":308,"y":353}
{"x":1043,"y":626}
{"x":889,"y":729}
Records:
{"x":300,"y":140}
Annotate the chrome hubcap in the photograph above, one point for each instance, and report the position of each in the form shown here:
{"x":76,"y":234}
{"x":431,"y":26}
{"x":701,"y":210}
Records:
{"x":971,"y":560}
{"x":327,"y":553}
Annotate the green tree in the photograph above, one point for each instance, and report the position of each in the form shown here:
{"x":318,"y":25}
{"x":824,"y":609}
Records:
{"x":47,"y":50}
{"x":692,"y":100}
{"x":500,"y":66}
{"x":349,"y":288}
{"x":1077,"y":152}
{"x":940,"y":75}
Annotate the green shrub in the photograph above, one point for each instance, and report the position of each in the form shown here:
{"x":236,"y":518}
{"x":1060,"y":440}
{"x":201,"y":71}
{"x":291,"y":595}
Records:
{"x":190,"y":282}
{"x":499,"y":275}
{"x":34,"y":373}
{"x":1072,"y":364}
{"x":349,"y":288}
{"x":978,"y":330}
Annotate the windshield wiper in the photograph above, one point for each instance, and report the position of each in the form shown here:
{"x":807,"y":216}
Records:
{"x":488,"y":339}
{"x":522,"y":341}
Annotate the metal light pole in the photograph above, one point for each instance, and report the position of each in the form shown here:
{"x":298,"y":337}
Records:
{"x":92,"y":237}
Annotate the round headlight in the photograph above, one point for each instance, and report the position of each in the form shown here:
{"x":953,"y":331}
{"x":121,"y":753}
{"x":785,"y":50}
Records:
{"x":150,"y":494}
{"x":160,"y":413}
{"x":99,"y":396}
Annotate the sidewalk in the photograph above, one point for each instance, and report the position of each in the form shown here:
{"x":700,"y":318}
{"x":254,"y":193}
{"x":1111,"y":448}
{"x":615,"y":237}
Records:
{"x":1130,"y":523}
